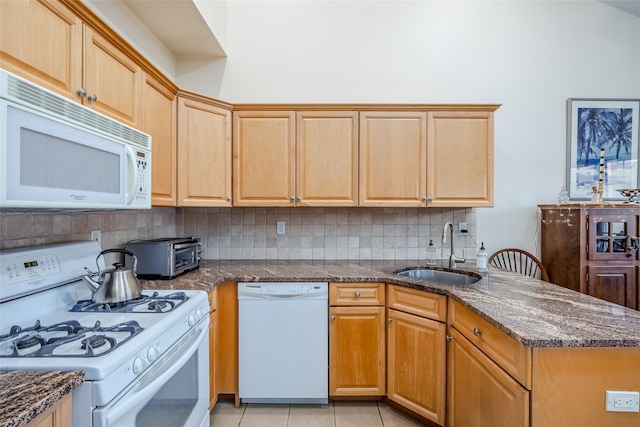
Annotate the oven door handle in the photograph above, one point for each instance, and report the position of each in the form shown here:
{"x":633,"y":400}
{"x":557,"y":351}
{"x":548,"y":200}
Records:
{"x":146,"y":386}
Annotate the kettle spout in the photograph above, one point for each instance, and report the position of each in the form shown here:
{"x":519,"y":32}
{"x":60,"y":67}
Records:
{"x":92,"y":284}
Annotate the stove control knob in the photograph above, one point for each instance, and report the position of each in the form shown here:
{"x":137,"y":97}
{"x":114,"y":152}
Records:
{"x":153,"y":353}
{"x":191,"y":320}
{"x":199,"y":314}
{"x":140,"y":364}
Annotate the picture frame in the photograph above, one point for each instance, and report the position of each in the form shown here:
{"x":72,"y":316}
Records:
{"x":595,"y":124}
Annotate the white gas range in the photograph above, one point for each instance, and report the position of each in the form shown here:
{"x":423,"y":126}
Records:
{"x":146,"y":361}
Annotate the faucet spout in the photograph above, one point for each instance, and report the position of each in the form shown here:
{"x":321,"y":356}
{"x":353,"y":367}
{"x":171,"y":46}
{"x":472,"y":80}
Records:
{"x":453,"y":259}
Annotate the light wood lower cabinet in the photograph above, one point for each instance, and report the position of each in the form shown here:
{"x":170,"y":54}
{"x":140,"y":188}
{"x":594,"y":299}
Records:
{"x":481,"y":393}
{"x":213,"y":347}
{"x":356,"y":340}
{"x":416,"y":351}
{"x":59,"y":415}
{"x":416,"y":364}
{"x":226,"y":340}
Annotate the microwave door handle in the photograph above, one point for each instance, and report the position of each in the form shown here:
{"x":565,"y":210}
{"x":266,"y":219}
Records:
{"x":132,"y":176}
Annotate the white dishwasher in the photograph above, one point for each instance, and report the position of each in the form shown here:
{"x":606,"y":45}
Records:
{"x":283,"y":354}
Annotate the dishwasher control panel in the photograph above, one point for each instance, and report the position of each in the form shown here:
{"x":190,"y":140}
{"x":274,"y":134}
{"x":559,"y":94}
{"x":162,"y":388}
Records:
{"x":306,"y":289}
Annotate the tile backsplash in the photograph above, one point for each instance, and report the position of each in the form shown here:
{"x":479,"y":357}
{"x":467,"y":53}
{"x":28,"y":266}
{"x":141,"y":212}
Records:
{"x":250,"y":233}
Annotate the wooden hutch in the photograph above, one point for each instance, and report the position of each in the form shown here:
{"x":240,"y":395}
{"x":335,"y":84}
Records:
{"x":593,"y":249}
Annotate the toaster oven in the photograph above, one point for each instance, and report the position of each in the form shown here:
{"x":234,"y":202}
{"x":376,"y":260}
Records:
{"x":164,"y":258}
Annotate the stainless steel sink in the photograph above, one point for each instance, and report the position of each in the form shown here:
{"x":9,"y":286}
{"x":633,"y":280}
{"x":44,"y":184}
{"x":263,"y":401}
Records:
{"x":439,"y":276}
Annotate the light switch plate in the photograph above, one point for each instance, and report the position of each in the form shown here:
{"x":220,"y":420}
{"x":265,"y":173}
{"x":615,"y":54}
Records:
{"x":622,"y":401}
{"x":462,"y":228}
{"x":280,"y":228}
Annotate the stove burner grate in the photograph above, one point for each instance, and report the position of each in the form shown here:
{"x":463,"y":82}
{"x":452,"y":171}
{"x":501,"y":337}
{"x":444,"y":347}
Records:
{"x":18,"y":342}
{"x":143,"y":304}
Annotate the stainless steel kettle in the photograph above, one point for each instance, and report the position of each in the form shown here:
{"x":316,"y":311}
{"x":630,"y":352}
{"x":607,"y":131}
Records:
{"x":116,"y":284}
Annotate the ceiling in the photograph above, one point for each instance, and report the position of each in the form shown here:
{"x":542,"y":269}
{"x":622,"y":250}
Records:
{"x":630,"y":6}
{"x":179,"y":25}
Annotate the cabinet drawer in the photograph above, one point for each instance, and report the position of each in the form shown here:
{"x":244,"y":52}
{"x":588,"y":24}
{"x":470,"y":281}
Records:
{"x":213,"y":299}
{"x":513,"y":356}
{"x":360,"y":293}
{"x":420,"y":303}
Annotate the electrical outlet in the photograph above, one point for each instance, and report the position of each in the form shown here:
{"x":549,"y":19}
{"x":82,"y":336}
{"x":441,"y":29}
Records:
{"x":97,"y":236}
{"x":280,"y":228}
{"x":623,"y":401}
{"x":462,"y":228}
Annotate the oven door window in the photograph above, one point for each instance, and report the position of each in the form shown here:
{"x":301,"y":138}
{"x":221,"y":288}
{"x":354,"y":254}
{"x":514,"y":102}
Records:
{"x":175,"y":394}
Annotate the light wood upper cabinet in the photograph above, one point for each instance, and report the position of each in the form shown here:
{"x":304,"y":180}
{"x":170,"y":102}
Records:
{"x":159,"y":120}
{"x":112,"y":80}
{"x":460,"y":159}
{"x":327,"y":158}
{"x":46,"y":42}
{"x":42,"y":41}
{"x":393,"y":158}
{"x":263,"y":158}
{"x":204,"y":153}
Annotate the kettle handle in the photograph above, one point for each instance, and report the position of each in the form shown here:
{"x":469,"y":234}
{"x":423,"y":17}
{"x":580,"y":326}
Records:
{"x":123,"y":251}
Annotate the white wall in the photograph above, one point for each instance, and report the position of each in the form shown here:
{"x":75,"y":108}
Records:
{"x":528,"y":56}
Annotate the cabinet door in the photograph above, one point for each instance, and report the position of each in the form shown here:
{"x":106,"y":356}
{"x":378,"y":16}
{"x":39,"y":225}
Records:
{"x":613,"y":283}
{"x":356,"y":351}
{"x":608,"y":236}
{"x":416,"y":364}
{"x":42,"y":41}
{"x":393,"y":159}
{"x":159,"y":121}
{"x":113,"y":78}
{"x":263,"y":158}
{"x":204,"y":154}
{"x":327,"y":158}
{"x":480,"y":392}
{"x":460,"y":159}
{"x":226,"y":340}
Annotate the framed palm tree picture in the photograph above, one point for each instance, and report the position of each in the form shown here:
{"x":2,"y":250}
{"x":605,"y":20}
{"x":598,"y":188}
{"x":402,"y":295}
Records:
{"x":602,"y":145}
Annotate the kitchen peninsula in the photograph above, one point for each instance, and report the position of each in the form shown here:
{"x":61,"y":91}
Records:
{"x":555,"y":337}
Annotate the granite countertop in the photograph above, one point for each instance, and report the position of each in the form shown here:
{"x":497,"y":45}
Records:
{"x":536,"y":313}
{"x":26,"y":394}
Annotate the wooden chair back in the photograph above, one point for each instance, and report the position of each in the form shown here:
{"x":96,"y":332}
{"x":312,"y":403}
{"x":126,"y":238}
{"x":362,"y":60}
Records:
{"x":519,"y":261}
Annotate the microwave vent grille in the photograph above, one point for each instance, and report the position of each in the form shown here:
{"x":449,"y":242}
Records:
{"x":32,"y":95}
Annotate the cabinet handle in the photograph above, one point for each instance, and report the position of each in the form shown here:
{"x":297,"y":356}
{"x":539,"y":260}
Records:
{"x":424,"y":198}
{"x":449,"y":337}
{"x":82,"y":92}
{"x":291,"y":199}
{"x":357,"y":294}
{"x":229,"y":199}
{"x":389,"y":320}
{"x":298,"y":199}
{"x":477,"y":332}
{"x":92,"y":97}
{"x":429,"y":199}
{"x":333,"y":317}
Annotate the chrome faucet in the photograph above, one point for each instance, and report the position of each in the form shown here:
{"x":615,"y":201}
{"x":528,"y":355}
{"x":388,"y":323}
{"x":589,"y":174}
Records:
{"x":453,"y":259}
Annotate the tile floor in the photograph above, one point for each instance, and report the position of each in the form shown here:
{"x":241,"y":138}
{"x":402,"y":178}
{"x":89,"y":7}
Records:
{"x":335,"y":414}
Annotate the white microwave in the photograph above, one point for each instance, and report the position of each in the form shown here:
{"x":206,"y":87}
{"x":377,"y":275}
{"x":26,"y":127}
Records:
{"x":56,"y":153}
